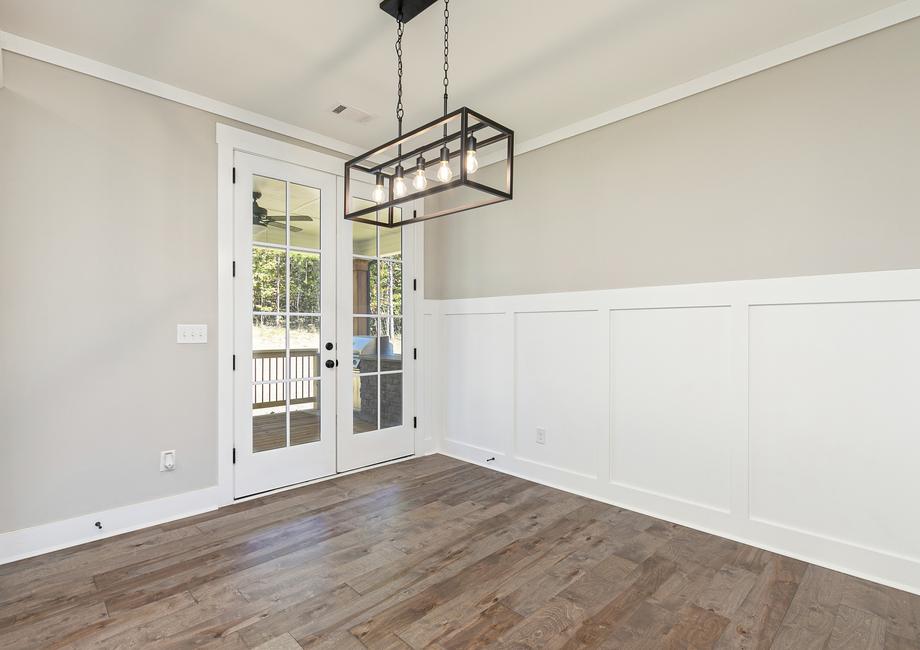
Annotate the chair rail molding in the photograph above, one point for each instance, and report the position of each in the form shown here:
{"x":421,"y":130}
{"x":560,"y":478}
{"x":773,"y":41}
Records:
{"x":779,"y":413}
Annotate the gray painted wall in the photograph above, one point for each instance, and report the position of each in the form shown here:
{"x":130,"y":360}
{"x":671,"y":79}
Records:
{"x":108,"y":209}
{"x":812,"y":167}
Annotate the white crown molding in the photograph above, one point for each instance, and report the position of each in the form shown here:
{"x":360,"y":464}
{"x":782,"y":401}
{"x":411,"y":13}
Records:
{"x":874,"y":22}
{"x":84,"y":65}
{"x":901,"y":12}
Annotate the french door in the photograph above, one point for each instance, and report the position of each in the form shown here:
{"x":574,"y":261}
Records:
{"x":320,"y":328}
{"x":376,"y":319}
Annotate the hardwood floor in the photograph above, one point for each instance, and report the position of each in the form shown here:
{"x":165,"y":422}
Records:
{"x":433,"y":552}
{"x":269,"y":431}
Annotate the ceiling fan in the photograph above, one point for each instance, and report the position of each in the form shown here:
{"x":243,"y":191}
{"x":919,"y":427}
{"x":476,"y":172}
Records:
{"x":260,"y":216}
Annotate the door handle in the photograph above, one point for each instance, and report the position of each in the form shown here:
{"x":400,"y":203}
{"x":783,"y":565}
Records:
{"x":330,"y":363}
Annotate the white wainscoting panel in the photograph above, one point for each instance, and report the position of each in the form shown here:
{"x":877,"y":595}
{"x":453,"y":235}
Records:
{"x":781,"y":413}
{"x":835,"y":421}
{"x":428,"y":406}
{"x":477,"y":381}
{"x":671,"y":402}
{"x":551,"y":348}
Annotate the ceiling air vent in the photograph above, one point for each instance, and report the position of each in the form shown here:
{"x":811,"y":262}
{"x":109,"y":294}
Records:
{"x":352,"y":114}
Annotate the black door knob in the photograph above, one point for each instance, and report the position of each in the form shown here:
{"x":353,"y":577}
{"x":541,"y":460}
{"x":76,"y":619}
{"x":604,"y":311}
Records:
{"x":329,"y":346}
{"x":330,"y":363}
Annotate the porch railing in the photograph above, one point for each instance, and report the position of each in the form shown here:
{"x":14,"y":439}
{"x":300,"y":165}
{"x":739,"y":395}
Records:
{"x":269,"y":377}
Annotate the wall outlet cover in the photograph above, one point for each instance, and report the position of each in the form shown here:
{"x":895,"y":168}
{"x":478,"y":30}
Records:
{"x":168,"y":460}
{"x":541,"y":436}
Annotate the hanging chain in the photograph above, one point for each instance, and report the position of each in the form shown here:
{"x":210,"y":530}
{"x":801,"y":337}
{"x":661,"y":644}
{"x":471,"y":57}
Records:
{"x":399,"y":72}
{"x":446,"y":50}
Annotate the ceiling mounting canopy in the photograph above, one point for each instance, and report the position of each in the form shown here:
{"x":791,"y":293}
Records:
{"x":451,"y":177}
{"x":408,"y":8}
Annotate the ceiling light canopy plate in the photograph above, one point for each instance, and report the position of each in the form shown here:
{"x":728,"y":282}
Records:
{"x":408,"y":8}
{"x":470,"y":164}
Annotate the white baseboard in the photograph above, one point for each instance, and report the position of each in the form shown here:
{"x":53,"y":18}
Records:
{"x":829,"y":554}
{"x":778,"y":413}
{"x":29,"y":542}
{"x":56,"y":535}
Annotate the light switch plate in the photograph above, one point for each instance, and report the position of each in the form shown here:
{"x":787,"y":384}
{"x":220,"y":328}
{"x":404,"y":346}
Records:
{"x":541,"y":436}
{"x":191,"y":333}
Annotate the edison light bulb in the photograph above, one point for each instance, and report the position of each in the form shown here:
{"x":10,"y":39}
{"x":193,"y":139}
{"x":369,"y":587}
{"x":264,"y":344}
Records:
{"x":444,"y":172}
{"x":399,"y":185}
{"x":472,"y":163}
{"x":420,"y":181}
{"x":379,"y":193}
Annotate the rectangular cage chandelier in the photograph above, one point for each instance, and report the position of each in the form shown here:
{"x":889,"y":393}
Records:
{"x":460,"y":161}
{"x":470,"y":185}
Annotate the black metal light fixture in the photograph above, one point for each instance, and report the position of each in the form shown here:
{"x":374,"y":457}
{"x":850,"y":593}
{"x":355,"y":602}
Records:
{"x":459,"y":161}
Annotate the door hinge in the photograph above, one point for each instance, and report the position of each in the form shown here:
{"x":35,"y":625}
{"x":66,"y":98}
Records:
{"x":234,"y":268}
{"x":415,"y":422}
{"x":415,"y":353}
{"x":234,"y":362}
{"x":234,"y":175}
{"x":234,"y":455}
{"x":414,"y":284}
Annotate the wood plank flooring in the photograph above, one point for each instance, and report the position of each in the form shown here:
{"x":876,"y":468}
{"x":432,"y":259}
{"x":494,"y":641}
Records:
{"x":437,"y":553}
{"x":270,"y":431}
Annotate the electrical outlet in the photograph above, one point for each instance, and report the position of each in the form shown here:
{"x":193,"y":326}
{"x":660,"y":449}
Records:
{"x":191,"y":333}
{"x":168,"y":460}
{"x":541,"y":436}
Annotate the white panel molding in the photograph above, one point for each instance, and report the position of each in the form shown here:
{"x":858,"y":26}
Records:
{"x":669,"y":385}
{"x":549,"y":347}
{"x":479,"y":344}
{"x":888,"y":17}
{"x":28,"y":542}
{"x":844,"y":442}
{"x":731,"y":516}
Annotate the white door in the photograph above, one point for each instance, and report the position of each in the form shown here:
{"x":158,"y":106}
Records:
{"x":375,"y":379}
{"x":285,"y":324}
{"x":323,"y":330}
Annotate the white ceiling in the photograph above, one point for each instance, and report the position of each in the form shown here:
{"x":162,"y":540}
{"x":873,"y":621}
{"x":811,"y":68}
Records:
{"x":534,"y":65}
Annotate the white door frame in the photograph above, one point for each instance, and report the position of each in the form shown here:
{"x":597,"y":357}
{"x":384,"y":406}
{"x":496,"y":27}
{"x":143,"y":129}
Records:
{"x":229,"y":140}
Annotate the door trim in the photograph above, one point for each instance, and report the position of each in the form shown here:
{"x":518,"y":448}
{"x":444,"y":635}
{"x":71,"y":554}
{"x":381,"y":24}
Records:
{"x":229,"y":140}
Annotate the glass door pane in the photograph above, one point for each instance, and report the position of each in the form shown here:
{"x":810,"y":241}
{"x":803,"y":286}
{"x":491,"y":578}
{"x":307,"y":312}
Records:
{"x":286,"y":322}
{"x":377,"y":291}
